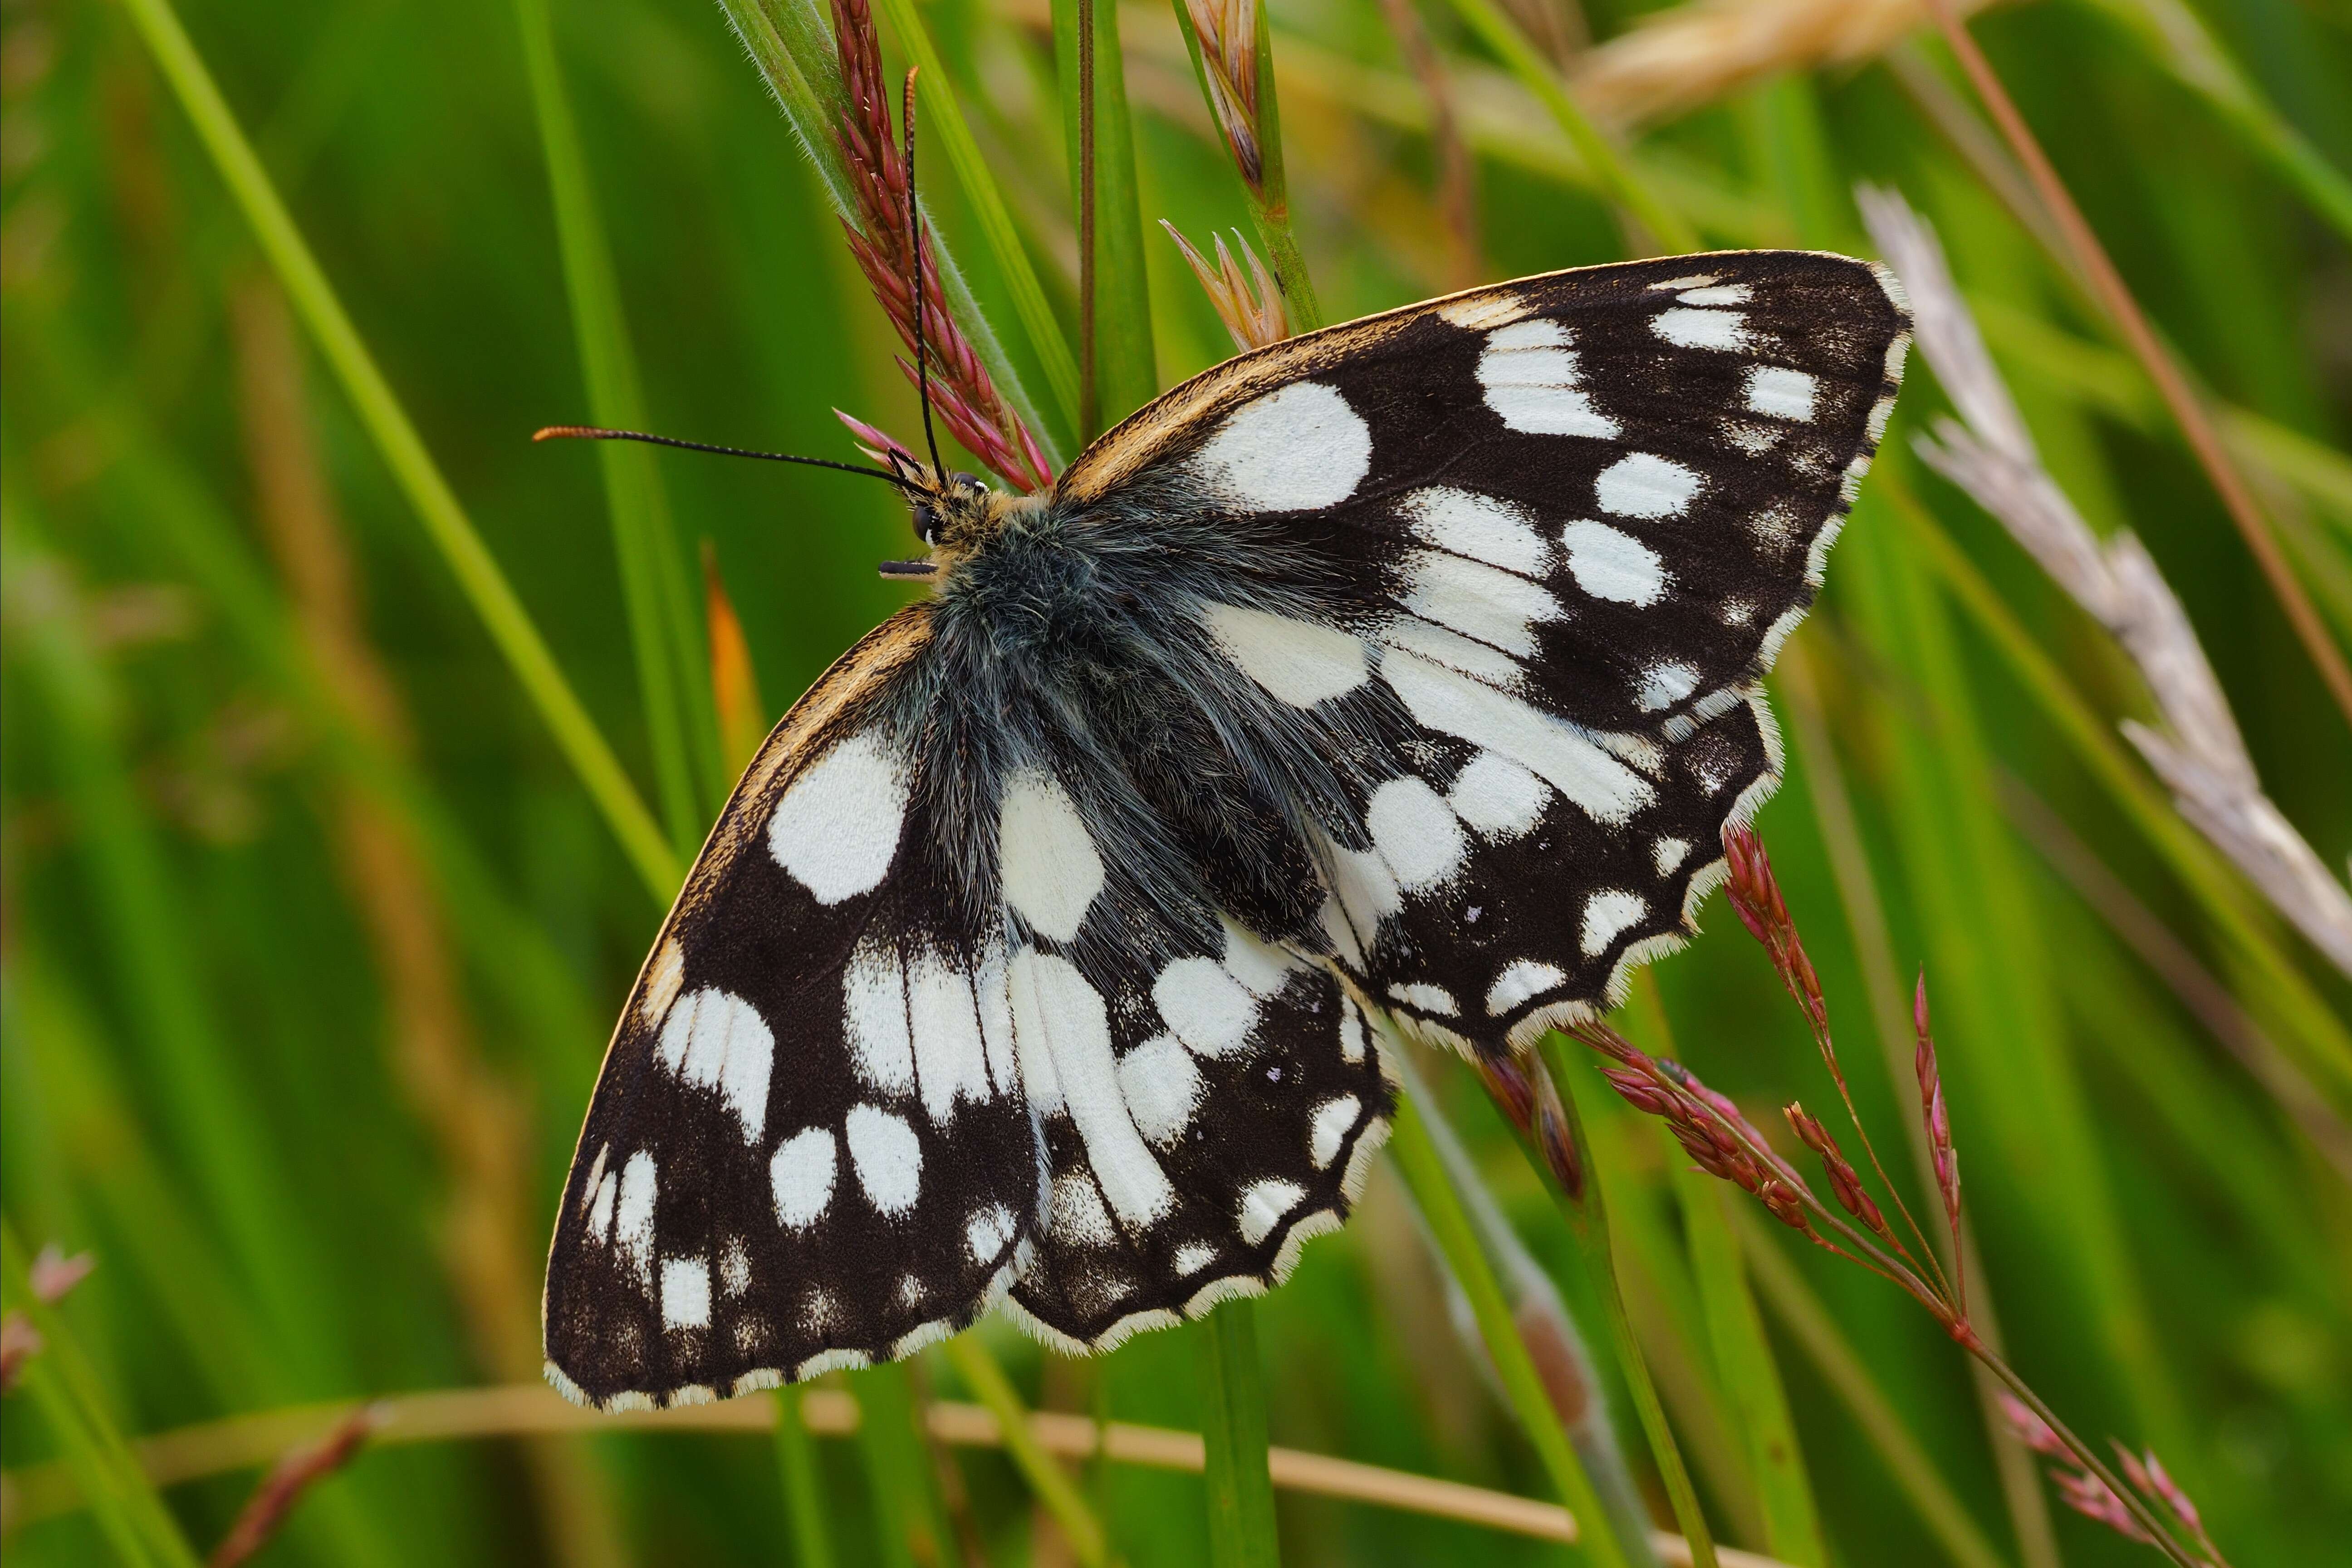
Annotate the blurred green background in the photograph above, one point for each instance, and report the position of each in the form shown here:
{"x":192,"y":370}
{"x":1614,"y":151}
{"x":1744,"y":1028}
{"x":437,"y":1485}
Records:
{"x":312,"y":936}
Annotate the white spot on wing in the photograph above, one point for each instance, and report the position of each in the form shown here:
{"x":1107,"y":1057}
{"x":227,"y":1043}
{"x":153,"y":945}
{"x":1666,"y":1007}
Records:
{"x":735,"y":1268}
{"x":1205,"y":1006}
{"x":1664,"y":685}
{"x":1193,"y":1256}
{"x":1162,"y":1088}
{"x":1296,"y":661}
{"x":800,"y":1176}
{"x":632,"y":1220}
{"x":1609,"y":563}
{"x":951,"y":1062}
{"x":686,"y":1293}
{"x":1668,"y":853}
{"x":1055,"y":1011}
{"x":1478,"y":526}
{"x":1351,"y":1030}
{"x":1417,"y":833}
{"x":1780,"y":394}
{"x":1702,"y":328}
{"x":1452,"y":649}
{"x":1532,"y":380}
{"x":1299,"y":448}
{"x":1497,"y":797}
{"x":874,"y":1017}
{"x":1427,"y":998}
{"x":1643,"y":484}
{"x":886,"y":1156}
{"x":1607,"y":913}
{"x":1476,"y":600}
{"x":1263,"y":1205}
{"x":1050,"y":869}
{"x":1332,"y":1120}
{"x":836,"y":828}
{"x":717,"y":1040}
{"x":988,"y":1233}
{"x":1261,"y":967}
{"x":600,"y":1207}
{"x":1548,"y":746}
{"x":1079,"y":1214}
{"x":1522,"y":979}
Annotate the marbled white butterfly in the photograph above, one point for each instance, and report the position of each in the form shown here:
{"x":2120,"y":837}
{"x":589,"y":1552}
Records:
{"x":1408,"y":669}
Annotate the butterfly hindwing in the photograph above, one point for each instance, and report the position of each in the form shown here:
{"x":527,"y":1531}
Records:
{"x":808,"y":1145}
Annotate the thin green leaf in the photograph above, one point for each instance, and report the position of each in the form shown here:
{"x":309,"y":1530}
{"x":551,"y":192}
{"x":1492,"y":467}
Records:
{"x":132,"y":1517}
{"x":663,"y":629}
{"x":1048,"y":1482}
{"x":1743,"y":1358}
{"x":403,"y":451}
{"x":804,"y":1501}
{"x":908,"y":1519}
{"x":1125,"y":376}
{"x":1418,"y":1162}
{"x":1540,"y":76}
{"x":1240,"y":1489}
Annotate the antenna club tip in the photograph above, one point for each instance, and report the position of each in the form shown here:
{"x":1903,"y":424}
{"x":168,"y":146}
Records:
{"x":561,"y":432}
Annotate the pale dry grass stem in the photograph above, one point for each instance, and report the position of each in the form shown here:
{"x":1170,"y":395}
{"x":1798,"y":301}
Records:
{"x":1250,"y":306}
{"x":1680,"y":59}
{"x":2197,"y":751}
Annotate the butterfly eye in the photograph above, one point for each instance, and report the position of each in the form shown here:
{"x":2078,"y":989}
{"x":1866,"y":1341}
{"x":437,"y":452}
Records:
{"x":927,"y":523}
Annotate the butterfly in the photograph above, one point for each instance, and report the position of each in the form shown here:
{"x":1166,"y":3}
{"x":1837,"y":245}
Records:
{"x":1403,"y":674}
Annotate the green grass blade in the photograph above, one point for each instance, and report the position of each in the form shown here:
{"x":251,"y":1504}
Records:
{"x":672,"y":671}
{"x":1592,"y":1228}
{"x":132,"y":1517}
{"x":1048,"y":1482}
{"x":1744,"y":1365}
{"x":804,"y":1500}
{"x":947,"y":127}
{"x":2172,"y":34}
{"x":908,"y":1519}
{"x":1540,"y":76}
{"x":1125,"y":376}
{"x":1242,"y":1532}
{"x":1815,"y":1330}
{"x":1417,"y":1160}
{"x":403,"y":451}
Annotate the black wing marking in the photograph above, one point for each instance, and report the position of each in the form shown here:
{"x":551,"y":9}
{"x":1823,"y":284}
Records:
{"x":1539,"y":542}
{"x":808,"y":1147}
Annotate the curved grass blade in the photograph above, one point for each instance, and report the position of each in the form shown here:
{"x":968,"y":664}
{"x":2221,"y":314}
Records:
{"x":666,"y":635}
{"x":1119,"y":306}
{"x":403,"y":450}
{"x":1048,"y":1482}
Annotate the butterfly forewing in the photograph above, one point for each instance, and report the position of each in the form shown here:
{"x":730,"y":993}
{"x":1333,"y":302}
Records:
{"x":1555,"y":531}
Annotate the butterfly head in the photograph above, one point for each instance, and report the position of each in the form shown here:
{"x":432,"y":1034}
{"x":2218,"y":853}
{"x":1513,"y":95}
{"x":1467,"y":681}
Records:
{"x":953,"y":517}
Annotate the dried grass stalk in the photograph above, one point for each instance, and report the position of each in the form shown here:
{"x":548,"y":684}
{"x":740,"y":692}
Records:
{"x":2197,"y":751}
{"x":1678,"y":59}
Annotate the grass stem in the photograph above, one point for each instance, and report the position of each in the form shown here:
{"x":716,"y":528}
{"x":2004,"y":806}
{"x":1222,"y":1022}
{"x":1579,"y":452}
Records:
{"x":403,"y":450}
{"x":1242,"y":1532}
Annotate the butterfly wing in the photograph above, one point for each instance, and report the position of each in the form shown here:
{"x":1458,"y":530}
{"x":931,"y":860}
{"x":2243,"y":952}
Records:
{"x":808,"y":1146}
{"x":1535,"y":546}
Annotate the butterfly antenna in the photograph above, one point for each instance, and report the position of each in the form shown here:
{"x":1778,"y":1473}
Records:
{"x":597,"y":433}
{"x":915,"y":244}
